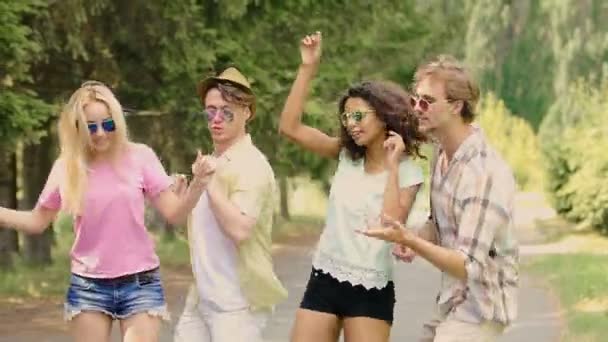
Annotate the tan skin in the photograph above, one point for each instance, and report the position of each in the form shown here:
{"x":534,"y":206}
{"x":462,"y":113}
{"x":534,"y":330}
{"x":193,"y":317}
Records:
{"x":382,"y":154}
{"x":90,"y":326}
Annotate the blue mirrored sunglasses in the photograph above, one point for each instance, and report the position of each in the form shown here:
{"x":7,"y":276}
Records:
{"x":107,"y":125}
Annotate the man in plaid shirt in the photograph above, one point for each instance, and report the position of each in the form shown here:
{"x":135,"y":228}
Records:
{"x":469,"y":235}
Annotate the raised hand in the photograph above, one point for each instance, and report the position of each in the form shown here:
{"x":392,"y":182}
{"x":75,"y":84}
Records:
{"x":203,"y":168}
{"x":310,"y":49}
{"x":180,"y":184}
{"x":394,"y":148}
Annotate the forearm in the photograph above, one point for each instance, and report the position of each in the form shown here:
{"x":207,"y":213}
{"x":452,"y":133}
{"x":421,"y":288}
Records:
{"x":294,"y":106}
{"x":186,"y":202}
{"x":24,"y":221}
{"x":234,"y":223}
{"x":447,"y":260}
{"x":391,"y":206}
{"x":428,"y":232}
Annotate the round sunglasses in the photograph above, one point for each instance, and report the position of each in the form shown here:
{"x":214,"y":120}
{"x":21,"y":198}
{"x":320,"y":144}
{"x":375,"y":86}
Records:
{"x":224,"y":114}
{"x":423,"y":103}
{"x":357,"y":116}
{"x":108,"y":125}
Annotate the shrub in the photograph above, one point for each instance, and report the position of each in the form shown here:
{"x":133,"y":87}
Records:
{"x":575,"y":144}
{"x":514,"y":138}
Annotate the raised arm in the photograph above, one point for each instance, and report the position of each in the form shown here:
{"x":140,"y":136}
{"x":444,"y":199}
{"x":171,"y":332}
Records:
{"x":399,"y":199}
{"x":291,"y":118}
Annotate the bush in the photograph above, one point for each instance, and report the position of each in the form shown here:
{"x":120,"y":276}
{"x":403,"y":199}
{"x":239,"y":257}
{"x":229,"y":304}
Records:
{"x":575,"y":145}
{"x":515,"y":139}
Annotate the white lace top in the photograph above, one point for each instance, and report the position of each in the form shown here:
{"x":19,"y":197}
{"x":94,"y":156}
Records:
{"x":355,"y":202}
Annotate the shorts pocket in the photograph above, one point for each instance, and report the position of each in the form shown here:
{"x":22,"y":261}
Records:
{"x":148,"y":279}
{"x":79,"y":283}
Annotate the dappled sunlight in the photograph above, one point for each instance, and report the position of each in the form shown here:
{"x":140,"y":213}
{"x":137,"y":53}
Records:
{"x":593,"y":305}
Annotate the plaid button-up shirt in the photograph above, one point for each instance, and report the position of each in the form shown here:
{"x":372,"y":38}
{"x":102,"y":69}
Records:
{"x":472,"y":199}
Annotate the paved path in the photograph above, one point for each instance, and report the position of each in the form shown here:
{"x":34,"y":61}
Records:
{"x":416,"y":287}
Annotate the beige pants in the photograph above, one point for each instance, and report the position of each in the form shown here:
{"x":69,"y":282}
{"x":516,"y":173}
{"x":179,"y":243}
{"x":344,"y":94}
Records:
{"x":442,"y":329}
{"x":200,"y":324}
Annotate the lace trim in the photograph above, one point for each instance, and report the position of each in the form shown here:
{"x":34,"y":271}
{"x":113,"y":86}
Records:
{"x":355,"y":275}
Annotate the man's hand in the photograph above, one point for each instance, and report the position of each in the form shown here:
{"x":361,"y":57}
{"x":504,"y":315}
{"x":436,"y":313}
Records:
{"x":391,"y":231}
{"x":202,"y":169}
{"x":180,"y":184}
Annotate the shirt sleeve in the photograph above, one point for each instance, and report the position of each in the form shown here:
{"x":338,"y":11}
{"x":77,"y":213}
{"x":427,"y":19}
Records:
{"x":252,"y":191}
{"x":485,"y":209}
{"x":410,"y":174}
{"x":50,"y":197}
{"x":155,"y":178}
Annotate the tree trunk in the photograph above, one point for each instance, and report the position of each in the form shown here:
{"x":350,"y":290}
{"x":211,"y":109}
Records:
{"x":37,"y":163}
{"x":9,"y":240}
{"x":169,"y":231}
{"x":284,"y":193}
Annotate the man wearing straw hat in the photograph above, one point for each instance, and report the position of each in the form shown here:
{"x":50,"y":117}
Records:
{"x":229,"y":231}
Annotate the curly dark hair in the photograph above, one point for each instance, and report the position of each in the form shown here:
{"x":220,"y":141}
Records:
{"x":392,"y":106}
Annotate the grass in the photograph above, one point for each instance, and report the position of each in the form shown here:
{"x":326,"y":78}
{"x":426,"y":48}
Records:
{"x":581,"y":280}
{"x":173,"y":252}
{"x":26,"y":281}
{"x":300,"y":225}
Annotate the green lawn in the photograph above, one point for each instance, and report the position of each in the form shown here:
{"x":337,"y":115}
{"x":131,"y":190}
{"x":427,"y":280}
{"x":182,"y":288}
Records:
{"x":581,"y":281}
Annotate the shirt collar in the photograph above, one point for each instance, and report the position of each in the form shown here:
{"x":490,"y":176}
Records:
{"x":472,"y":142}
{"x":237,"y":147}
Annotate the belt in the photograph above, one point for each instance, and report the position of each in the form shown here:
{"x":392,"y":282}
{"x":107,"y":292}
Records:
{"x":128,"y":278}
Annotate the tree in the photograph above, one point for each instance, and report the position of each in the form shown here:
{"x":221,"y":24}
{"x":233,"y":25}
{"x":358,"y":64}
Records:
{"x":21,"y":111}
{"x":8,"y":239}
{"x":37,"y":161}
{"x":506,"y":47}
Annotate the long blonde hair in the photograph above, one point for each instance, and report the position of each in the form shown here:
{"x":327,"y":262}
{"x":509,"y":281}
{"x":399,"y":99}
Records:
{"x":75,"y":140}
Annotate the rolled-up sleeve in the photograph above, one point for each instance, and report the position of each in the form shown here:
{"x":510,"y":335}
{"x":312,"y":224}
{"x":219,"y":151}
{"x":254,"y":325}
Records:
{"x":251,"y":192}
{"x":483,"y":212}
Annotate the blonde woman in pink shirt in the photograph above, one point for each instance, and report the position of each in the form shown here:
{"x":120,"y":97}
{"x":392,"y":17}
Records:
{"x":103,"y":179}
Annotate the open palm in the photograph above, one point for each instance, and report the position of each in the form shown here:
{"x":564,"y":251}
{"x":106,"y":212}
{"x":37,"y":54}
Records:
{"x":310,"y":48}
{"x":391,"y":230}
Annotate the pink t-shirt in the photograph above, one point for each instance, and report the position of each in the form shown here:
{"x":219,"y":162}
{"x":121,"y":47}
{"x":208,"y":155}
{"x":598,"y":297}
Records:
{"x":111,"y":238}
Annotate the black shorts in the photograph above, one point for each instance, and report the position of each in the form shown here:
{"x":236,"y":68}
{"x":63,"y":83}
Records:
{"x":327,"y":294}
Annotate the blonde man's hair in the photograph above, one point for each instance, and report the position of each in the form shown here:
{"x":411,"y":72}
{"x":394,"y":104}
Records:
{"x":459,"y":83}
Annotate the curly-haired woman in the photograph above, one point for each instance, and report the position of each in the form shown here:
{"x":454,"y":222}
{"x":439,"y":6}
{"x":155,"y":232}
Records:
{"x":351,"y":285}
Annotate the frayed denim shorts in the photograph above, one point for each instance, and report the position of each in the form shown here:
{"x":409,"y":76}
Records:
{"x":119,"y":297}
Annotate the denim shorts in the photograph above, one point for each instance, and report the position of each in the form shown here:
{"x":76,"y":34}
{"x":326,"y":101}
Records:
{"x":119,"y":297}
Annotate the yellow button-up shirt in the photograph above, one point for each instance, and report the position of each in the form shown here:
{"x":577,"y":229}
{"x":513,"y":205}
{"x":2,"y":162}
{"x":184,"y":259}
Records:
{"x":247,"y":178}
